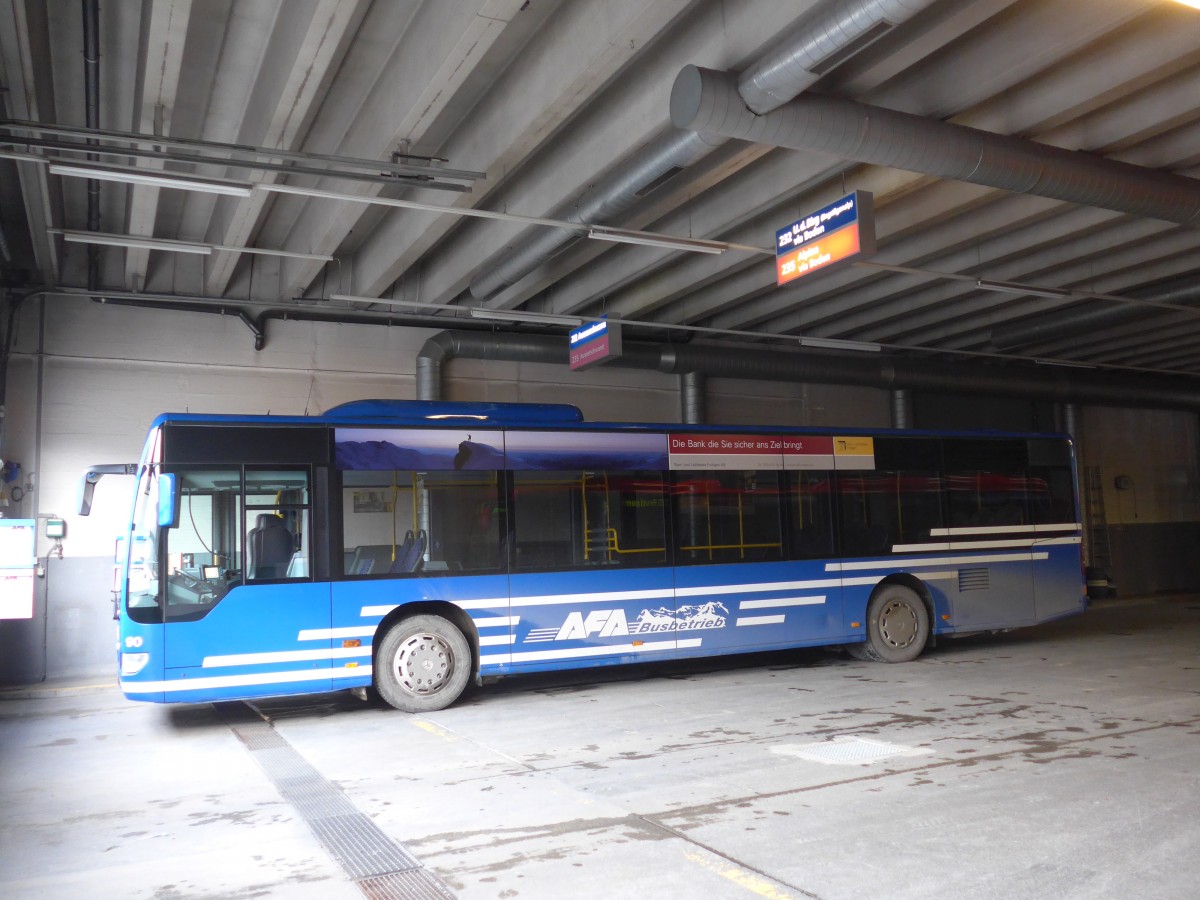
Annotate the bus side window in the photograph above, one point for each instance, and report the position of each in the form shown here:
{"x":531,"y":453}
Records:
{"x":727,"y":517}
{"x":808,"y":509}
{"x":986,"y":483}
{"x":277,"y":524}
{"x":413,"y":523}
{"x":883,"y":509}
{"x":576,"y":518}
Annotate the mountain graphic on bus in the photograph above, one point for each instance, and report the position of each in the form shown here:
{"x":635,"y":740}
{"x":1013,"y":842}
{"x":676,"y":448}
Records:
{"x":685,"y":618}
{"x":384,"y":455}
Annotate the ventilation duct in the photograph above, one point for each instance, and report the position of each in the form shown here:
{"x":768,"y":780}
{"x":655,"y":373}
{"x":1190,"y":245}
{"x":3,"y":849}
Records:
{"x":1056,"y":384}
{"x":822,"y":43}
{"x":707,"y":100}
{"x":824,"y":39}
{"x":673,"y":151}
{"x":691,"y":398}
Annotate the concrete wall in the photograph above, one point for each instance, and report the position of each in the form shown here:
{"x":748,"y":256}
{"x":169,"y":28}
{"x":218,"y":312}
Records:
{"x":1150,"y":482}
{"x":87,"y":379}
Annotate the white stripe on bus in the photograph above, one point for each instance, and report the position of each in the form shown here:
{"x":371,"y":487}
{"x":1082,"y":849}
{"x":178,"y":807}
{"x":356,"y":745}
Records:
{"x":283,"y":656}
{"x":222,"y":681}
{"x":326,"y":634}
{"x":782,"y":601}
{"x":496,"y":640}
{"x":984,"y":545}
{"x":1004,"y":529}
{"x":581,"y":652}
{"x":499,"y":603}
{"x":761,"y":620}
{"x":893,"y":563}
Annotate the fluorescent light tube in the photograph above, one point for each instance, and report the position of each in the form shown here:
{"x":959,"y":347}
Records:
{"x":134,"y":241}
{"x":227,"y":188}
{"x":650,"y":240}
{"x":532,"y":318}
{"x":1067,"y":364}
{"x":835,"y":344}
{"x":406,"y":304}
{"x":1012,"y":287}
{"x":131,"y":241}
{"x":261,"y":251}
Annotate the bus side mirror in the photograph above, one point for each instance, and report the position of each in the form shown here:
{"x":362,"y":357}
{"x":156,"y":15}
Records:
{"x":83,"y":497}
{"x":168,"y":501}
{"x":87,"y":483}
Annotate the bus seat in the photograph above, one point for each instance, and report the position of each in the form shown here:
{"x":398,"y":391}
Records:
{"x":402,"y":553}
{"x":414,"y":556}
{"x":298,"y":567}
{"x":270,"y":546}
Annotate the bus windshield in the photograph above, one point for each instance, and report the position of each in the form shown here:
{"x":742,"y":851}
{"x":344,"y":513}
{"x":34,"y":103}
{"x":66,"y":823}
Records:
{"x":142,"y":548}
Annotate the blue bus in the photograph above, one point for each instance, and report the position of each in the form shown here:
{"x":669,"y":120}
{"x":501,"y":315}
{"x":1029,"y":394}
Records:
{"x":416,"y":547}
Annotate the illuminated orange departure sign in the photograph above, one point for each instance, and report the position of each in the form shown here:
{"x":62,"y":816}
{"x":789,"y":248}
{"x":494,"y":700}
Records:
{"x":842,"y":230}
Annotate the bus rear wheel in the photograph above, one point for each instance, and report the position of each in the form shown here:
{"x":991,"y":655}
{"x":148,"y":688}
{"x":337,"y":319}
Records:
{"x":897,"y":627}
{"x":423,"y":664}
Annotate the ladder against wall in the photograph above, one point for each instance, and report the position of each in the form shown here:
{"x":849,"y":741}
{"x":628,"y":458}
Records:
{"x":1097,"y":549}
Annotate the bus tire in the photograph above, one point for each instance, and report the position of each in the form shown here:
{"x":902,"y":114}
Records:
{"x":897,"y":627}
{"x":423,"y":664}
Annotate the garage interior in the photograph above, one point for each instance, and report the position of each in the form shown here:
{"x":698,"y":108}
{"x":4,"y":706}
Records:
{"x":259,"y":206}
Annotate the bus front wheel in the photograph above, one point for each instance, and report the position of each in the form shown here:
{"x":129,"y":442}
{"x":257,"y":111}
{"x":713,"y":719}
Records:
{"x":897,"y":627}
{"x":423,"y":664}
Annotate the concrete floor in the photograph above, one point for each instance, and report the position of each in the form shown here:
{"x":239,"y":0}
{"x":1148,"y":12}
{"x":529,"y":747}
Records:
{"x":1059,"y":761}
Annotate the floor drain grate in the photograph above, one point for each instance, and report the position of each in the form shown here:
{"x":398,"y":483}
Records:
{"x":849,"y":751}
{"x":382,"y":868}
{"x":415,"y":885}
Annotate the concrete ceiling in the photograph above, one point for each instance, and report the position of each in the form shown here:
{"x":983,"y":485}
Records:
{"x":545,"y":100}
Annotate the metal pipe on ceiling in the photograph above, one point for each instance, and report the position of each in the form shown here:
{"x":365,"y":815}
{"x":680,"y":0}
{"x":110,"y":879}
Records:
{"x":91,"y":85}
{"x":1057,"y":384}
{"x":708,"y":100}
{"x":826,"y":37}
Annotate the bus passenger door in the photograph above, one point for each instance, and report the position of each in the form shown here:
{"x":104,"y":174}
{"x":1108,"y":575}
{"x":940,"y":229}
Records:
{"x":751,"y":551}
{"x":243,"y":617}
{"x":588,"y":576}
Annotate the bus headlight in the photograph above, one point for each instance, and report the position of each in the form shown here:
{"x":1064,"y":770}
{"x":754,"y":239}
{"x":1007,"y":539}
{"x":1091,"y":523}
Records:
{"x":132,"y":663}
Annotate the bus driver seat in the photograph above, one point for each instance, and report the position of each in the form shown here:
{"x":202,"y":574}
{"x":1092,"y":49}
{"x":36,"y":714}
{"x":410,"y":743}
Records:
{"x":269,"y":544}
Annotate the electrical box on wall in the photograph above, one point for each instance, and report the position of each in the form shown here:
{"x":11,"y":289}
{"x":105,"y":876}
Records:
{"x":56,"y":528}
{"x":17,"y":538}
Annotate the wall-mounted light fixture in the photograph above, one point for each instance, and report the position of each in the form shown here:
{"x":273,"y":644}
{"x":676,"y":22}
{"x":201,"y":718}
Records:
{"x":1013,"y":287}
{"x":835,"y":344}
{"x":172,"y":246}
{"x":621,"y":236}
{"x":128,"y":176}
{"x":531,"y":318}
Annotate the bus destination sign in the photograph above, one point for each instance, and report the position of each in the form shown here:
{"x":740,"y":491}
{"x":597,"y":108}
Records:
{"x":593,"y":343}
{"x":842,"y":230}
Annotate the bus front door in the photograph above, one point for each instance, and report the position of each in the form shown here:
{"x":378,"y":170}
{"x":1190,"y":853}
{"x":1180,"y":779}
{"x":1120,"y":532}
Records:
{"x":253,"y":641}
